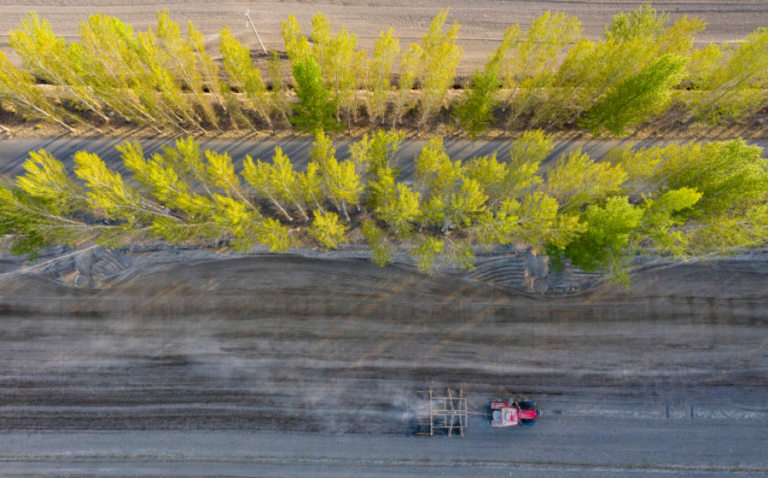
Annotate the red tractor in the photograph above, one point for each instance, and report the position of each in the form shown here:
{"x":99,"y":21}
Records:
{"x":514,"y":413}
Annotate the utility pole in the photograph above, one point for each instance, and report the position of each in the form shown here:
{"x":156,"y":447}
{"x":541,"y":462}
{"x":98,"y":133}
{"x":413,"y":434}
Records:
{"x":249,"y":21}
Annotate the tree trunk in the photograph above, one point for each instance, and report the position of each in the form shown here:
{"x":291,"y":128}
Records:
{"x":301,"y":210}
{"x":277,"y":204}
{"x":344,"y":208}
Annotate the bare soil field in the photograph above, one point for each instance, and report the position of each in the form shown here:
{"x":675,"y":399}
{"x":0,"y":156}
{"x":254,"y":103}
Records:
{"x":483,"y":21}
{"x":305,"y":367}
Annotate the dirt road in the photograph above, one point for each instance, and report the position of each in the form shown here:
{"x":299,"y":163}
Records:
{"x":287,"y":366}
{"x":483,"y":21}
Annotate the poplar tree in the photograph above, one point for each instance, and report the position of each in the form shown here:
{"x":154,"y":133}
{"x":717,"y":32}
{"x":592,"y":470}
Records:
{"x":278,"y":92}
{"x":610,"y":63}
{"x":427,"y":252}
{"x":723,"y":86}
{"x":221,"y":173}
{"x":112,"y":70}
{"x":647,"y":24}
{"x":341,"y":66}
{"x":606,"y":240}
{"x":450,"y":199}
{"x":543,"y":226}
{"x":385,"y":52}
{"x":206,"y":66}
{"x":327,"y":230}
{"x":727,"y":173}
{"x":571,"y":77}
{"x":110,"y":195}
{"x":577,"y":180}
{"x":210,"y":216}
{"x":618,"y":229}
{"x":161,"y":79}
{"x":18,"y":88}
{"x":630,"y":43}
{"x":310,"y":184}
{"x":20,"y":228}
{"x":437,"y":65}
{"x":409,"y":64}
{"x":30,"y":223}
{"x":111,"y":45}
{"x":274,"y":235}
{"x":395,"y":204}
{"x":498,"y":226}
{"x":316,"y":109}
{"x":530,"y":71}
{"x":44,"y":204}
{"x":511,"y":179}
{"x":637,"y":98}
{"x":48,"y":56}
{"x":186,"y":160}
{"x":381,"y":249}
{"x":341,"y":183}
{"x":278,"y":182}
{"x":234,"y":107}
{"x":376,"y":153}
{"x":297,"y":46}
{"x":173,"y":177}
{"x":240,"y":68}
{"x":321,"y":43}
{"x":344,"y":71}
{"x":476,"y":106}
{"x":46,"y":178}
{"x":180,"y":58}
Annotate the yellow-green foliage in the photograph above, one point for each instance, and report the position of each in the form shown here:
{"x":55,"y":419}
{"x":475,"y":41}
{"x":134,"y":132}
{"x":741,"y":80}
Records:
{"x":678,"y":200}
{"x":385,"y":53}
{"x":381,"y":249}
{"x":439,"y":56}
{"x":296,"y":45}
{"x":327,"y":229}
{"x":279,"y":101}
{"x":187,"y":58}
{"x":46,"y":178}
{"x":577,"y":179}
{"x":47,"y":55}
{"x":18,"y":88}
{"x":427,"y":254}
{"x":531,"y":69}
{"x":340,"y":180}
{"x":240,"y":68}
{"x":164,"y":80}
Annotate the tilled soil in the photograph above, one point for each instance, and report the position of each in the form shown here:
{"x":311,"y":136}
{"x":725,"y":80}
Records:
{"x":483,"y":21}
{"x":338,"y":346}
{"x":292,"y":366}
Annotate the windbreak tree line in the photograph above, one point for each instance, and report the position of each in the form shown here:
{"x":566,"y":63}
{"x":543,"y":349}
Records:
{"x":686,"y":200}
{"x":544,"y":76}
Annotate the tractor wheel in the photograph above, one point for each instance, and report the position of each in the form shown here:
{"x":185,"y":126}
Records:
{"x":527,"y":404}
{"x":527,"y":423}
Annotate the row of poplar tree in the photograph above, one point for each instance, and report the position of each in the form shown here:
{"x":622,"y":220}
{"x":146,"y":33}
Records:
{"x":677,"y":200}
{"x":552,"y":76}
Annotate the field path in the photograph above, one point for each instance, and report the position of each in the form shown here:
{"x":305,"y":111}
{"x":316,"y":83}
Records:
{"x":483,"y":21}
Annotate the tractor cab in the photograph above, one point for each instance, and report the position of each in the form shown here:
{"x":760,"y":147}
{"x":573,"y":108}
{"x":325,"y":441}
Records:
{"x":513,"y":413}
